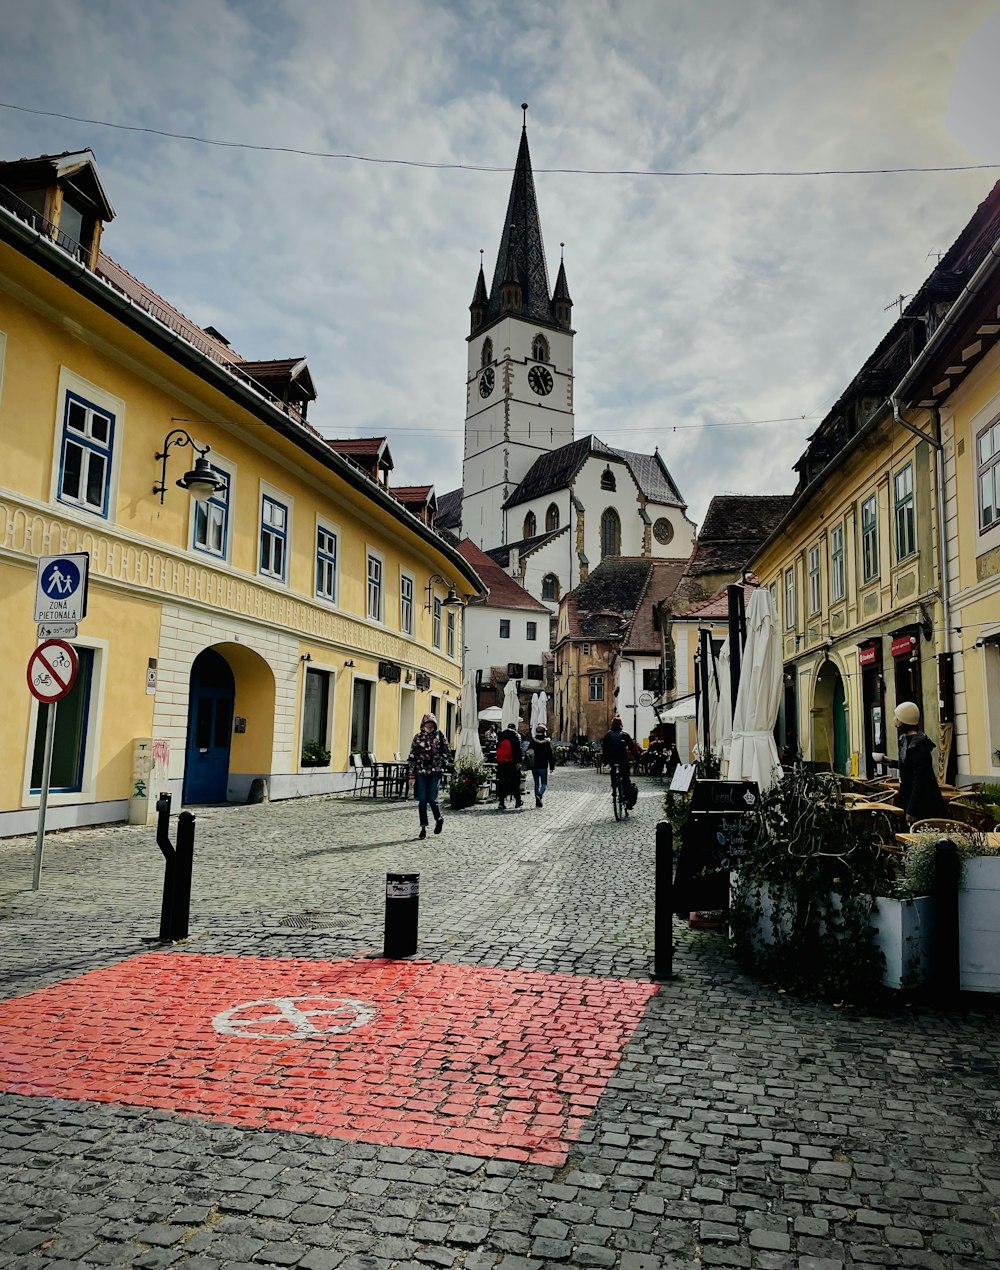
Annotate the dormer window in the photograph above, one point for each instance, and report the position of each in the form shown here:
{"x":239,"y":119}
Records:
{"x":540,"y":348}
{"x":608,"y":479}
{"x":487,"y":354}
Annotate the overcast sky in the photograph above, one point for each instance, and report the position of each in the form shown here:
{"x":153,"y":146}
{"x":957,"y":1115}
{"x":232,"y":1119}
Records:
{"x":697,"y":300}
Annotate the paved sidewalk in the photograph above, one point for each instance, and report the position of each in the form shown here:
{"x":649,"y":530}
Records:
{"x":274,"y":1094}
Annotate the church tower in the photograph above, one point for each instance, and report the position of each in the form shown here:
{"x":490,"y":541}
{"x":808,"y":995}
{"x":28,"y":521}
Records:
{"x":519,"y":380}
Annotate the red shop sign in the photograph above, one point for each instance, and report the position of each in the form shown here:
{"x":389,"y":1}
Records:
{"x":868,"y":656}
{"x":903,"y":645}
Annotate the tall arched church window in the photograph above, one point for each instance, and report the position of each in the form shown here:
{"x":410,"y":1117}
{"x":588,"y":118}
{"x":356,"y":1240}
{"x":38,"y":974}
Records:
{"x":550,"y":587}
{"x":552,"y":518}
{"x":530,"y":526}
{"x":611,"y":533}
{"x":608,"y":480}
{"x":540,"y":348}
{"x":487,"y":355}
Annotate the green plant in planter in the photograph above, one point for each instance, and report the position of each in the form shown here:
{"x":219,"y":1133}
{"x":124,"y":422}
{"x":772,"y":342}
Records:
{"x":919,"y":862}
{"x":810,"y":877}
{"x":560,"y":753}
{"x":315,"y":755}
{"x":467,"y":779}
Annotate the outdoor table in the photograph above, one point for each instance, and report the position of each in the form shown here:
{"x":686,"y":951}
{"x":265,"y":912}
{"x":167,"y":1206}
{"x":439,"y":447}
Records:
{"x":908,"y":839}
{"x":890,"y":809}
{"x":392,"y":777}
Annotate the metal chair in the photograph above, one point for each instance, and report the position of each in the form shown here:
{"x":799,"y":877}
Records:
{"x":364,"y":777}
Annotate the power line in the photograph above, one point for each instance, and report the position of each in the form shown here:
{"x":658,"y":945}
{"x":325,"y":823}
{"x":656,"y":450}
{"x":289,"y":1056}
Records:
{"x":482,"y":167}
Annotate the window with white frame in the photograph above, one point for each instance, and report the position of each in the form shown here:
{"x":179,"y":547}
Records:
{"x":273,"y":538}
{"x":71,"y":733}
{"x":815,"y":594}
{"x":86,"y":453}
{"x":988,"y":475}
{"x":906,"y":532}
{"x":596,"y":688}
{"x":789,"y":598}
{"x":316,"y":712}
{"x":773,"y":588}
{"x":374,"y":587}
{"x":326,"y":564}
{"x":869,"y":539}
{"x":406,"y":603}
{"x":837,"y":575}
{"x":451,"y":633}
{"x":437,"y":622}
{"x":210,"y":525}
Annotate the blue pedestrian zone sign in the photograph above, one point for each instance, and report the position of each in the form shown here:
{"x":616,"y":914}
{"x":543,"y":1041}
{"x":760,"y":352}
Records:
{"x":61,"y":588}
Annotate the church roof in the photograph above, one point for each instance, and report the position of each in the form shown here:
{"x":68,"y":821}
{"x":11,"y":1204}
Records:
{"x":651,"y":476}
{"x":449,"y":509}
{"x":555,"y":470}
{"x":562,"y":286}
{"x":504,"y":592}
{"x":526,"y":545}
{"x":522,"y":253}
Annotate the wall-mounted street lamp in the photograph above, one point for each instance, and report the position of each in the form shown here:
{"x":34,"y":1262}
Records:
{"x":201,"y":482}
{"x":451,"y":601}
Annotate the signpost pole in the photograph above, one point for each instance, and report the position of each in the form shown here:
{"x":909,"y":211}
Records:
{"x":50,"y":736}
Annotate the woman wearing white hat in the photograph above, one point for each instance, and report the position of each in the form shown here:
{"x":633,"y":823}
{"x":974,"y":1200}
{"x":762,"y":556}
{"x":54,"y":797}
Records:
{"x":919,"y":795}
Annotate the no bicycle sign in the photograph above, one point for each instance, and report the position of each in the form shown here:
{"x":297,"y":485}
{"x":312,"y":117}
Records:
{"x":52,"y":669}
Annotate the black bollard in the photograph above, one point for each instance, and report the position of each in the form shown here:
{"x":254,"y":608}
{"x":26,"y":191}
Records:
{"x":183,"y":864}
{"x":402,"y":907}
{"x":663,"y":903}
{"x":946,"y":978}
{"x":169,"y":856}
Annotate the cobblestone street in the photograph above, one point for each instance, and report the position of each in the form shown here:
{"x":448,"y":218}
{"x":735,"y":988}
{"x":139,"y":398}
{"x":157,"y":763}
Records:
{"x":272,"y":1093}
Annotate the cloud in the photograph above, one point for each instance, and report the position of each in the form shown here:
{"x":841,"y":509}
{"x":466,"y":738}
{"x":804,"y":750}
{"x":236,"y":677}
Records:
{"x":696,"y":299}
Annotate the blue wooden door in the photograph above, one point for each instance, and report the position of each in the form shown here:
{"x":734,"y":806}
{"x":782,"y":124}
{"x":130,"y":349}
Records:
{"x":210,"y":728}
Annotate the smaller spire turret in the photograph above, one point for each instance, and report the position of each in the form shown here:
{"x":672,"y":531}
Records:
{"x":562,"y":303}
{"x":480,"y":299}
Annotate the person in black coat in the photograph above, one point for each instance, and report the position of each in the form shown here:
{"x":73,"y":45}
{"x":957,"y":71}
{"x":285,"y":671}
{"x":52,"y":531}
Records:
{"x":544,"y":762}
{"x":919,"y":795}
{"x":508,"y":768}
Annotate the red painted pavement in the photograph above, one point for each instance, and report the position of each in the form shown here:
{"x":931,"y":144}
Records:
{"x":487,"y":1062}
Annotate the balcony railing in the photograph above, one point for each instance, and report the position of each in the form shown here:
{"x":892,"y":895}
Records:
{"x":24,"y":211}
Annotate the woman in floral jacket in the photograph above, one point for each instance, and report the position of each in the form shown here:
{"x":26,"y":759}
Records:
{"x":429,"y":755}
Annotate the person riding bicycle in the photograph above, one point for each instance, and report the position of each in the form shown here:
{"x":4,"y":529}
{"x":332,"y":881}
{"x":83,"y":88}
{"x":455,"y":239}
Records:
{"x":617,"y":747}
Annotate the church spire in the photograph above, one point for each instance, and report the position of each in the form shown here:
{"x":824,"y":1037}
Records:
{"x":562,"y":303}
{"x":522,"y":253}
{"x":480,"y":299}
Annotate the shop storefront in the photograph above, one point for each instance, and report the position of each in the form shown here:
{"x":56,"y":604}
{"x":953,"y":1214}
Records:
{"x":905,"y":650}
{"x":873,"y":706}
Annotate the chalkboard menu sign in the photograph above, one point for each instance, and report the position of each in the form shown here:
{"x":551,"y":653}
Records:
{"x":719,"y":830}
{"x":725,"y":796}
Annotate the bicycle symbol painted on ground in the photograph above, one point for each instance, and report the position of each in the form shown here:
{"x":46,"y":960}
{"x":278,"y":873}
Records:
{"x":294,"y":1018}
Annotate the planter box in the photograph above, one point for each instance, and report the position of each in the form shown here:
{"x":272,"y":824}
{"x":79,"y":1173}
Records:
{"x":904,"y":931}
{"x":979,"y":925}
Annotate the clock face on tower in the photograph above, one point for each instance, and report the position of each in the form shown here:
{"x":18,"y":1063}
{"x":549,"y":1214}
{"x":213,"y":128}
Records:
{"x":540,"y":380}
{"x":486,"y":381}
{"x":663,"y":530}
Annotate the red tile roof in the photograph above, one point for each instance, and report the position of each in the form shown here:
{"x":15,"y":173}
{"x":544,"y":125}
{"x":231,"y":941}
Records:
{"x":370,"y":446}
{"x":504,"y":593}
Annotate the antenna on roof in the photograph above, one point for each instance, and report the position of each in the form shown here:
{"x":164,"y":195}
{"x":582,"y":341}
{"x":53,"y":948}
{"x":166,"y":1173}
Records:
{"x":897,"y":303}
{"x":936,"y":254}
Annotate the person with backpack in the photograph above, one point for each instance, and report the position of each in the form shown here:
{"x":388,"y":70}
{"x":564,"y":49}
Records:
{"x":617,"y":747}
{"x":543,"y":761}
{"x":508,"y":767}
{"x":429,"y":755}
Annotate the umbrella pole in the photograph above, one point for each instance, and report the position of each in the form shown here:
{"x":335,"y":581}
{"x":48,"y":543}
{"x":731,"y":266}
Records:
{"x":706,"y":656}
{"x":737,"y":635}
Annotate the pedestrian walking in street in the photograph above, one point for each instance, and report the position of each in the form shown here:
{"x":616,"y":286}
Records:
{"x":429,"y":754}
{"x":508,"y":768}
{"x":919,"y":795}
{"x":543,"y":762}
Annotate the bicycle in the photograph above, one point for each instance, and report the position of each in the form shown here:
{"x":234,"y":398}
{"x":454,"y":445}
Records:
{"x":619,"y":793}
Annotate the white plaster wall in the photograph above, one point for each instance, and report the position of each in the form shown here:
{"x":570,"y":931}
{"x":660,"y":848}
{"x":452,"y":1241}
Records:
{"x":682,"y":543}
{"x":515,"y":516}
{"x":624,"y":499}
{"x":484,"y":647}
{"x":638,"y":720}
{"x":184,"y":633}
{"x":558,"y":557}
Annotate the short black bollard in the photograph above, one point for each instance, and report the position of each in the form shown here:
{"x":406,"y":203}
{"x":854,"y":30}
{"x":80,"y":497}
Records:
{"x":175,"y":908}
{"x":663,"y":903}
{"x":946,"y":977}
{"x":402,"y":907}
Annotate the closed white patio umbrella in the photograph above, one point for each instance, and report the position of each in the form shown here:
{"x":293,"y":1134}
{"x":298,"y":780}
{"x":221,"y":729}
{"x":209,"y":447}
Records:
{"x":720,"y":706}
{"x":511,"y":709}
{"x":539,"y":711}
{"x":753,"y":754}
{"x":468,"y":748}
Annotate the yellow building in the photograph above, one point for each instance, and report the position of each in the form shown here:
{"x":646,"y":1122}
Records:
{"x":855,"y":566}
{"x":253,"y":638}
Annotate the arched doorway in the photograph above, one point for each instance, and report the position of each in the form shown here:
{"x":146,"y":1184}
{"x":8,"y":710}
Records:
{"x":830,"y":718}
{"x":210,"y":729}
